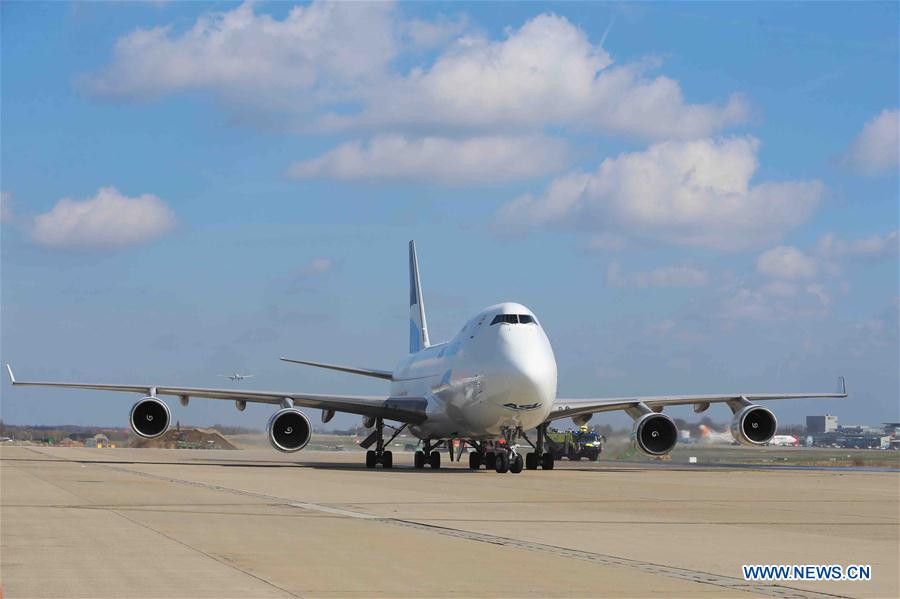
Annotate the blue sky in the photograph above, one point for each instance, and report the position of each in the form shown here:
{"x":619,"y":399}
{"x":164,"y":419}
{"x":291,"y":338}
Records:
{"x":692,"y":197}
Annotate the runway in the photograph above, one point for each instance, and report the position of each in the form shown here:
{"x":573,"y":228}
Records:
{"x":254,"y":523}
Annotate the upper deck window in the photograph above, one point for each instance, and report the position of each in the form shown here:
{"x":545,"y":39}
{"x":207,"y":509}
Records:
{"x":513,"y":319}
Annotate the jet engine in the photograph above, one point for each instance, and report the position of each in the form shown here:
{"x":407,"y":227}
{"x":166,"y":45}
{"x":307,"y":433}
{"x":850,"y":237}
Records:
{"x":149,"y":417}
{"x":753,"y":425}
{"x":289,"y":430}
{"x":654,"y":434}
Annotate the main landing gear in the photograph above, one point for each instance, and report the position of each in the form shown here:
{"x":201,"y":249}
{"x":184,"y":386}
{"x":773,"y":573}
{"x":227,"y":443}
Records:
{"x":539,"y":457}
{"x":380,"y":455}
{"x":429,"y":456}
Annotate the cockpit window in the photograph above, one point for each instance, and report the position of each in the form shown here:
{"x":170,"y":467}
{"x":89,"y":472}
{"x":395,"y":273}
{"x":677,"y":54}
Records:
{"x":507,"y":318}
{"x":513,"y":319}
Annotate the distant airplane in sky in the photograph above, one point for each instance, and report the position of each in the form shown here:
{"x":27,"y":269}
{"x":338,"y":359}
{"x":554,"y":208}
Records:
{"x":237,"y":377}
{"x":485,"y":388}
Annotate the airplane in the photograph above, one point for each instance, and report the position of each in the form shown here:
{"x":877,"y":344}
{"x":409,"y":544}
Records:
{"x":483,"y":390}
{"x":784,"y":441}
{"x":237,"y":377}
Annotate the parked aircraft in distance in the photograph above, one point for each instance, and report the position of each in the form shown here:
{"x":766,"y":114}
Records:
{"x":485,"y":389}
{"x":237,"y":377}
{"x":785,"y":441}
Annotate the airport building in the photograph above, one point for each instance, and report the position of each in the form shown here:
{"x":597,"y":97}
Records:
{"x":821,"y":424}
{"x":824,"y":431}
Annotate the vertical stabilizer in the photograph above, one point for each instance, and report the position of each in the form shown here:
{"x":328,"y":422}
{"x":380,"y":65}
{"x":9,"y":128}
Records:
{"x":418,"y":327}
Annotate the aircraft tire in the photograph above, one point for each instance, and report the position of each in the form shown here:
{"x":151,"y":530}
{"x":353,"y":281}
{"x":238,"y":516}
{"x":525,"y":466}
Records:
{"x":501,"y":465}
{"x":434,"y":460}
{"x":490,"y":460}
{"x":516,"y":465}
{"x":531,"y":461}
{"x":370,"y":459}
{"x":547,"y":461}
{"x":387,"y":460}
{"x":474,"y":460}
{"x":419,"y":460}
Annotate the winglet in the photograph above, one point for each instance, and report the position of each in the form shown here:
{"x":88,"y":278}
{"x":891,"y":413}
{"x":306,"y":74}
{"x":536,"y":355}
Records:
{"x":843,"y":386}
{"x":12,"y":378}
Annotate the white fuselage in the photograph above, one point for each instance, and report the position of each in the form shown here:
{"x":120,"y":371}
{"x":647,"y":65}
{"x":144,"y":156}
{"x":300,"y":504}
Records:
{"x":487,"y":379}
{"x":784,"y":441}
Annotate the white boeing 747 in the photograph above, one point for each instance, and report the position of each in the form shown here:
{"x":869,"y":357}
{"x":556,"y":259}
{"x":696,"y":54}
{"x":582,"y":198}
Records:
{"x":483,"y":389}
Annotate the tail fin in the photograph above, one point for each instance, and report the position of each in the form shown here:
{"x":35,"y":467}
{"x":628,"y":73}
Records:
{"x":418,"y":327}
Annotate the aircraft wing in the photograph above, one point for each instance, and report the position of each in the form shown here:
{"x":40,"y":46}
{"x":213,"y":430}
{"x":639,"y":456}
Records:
{"x":402,"y":409}
{"x":567,"y":408}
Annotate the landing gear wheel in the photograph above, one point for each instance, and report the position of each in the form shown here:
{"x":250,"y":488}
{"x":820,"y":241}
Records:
{"x":531,"y":461}
{"x":547,"y":461}
{"x":516,"y":465}
{"x":434,"y":460}
{"x":387,"y":460}
{"x":490,"y":460}
{"x":474,"y":460}
{"x":501,"y":464}
{"x":419,"y":459}
{"x":370,"y":459}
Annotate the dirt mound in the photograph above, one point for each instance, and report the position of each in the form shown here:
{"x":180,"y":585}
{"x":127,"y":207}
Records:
{"x":187,"y":438}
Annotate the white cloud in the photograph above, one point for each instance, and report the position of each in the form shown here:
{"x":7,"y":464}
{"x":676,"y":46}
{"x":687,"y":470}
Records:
{"x":683,"y":275}
{"x":476,"y":159}
{"x":876,"y":246}
{"x":830,"y":254}
{"x":794,"y":278}
{"x":876,"y":151}
{"x":108,"y":219}
{"x":430,"y":34}
{"x":315,"y":267}
{"x":343,"y":64}
{"x":247,"y":56}
{"x":688,"y":193}
{"x":775,"y":303}
{"x":547,"y":72}
{"x":787,"y":263}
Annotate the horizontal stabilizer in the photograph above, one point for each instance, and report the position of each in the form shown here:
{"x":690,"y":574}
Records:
{"x":378,"y":374}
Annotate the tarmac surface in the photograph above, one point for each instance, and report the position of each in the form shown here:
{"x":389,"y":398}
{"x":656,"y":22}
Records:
{"x":186,"y":523}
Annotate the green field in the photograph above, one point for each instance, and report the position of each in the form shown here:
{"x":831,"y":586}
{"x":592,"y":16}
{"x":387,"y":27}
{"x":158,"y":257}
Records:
{"x":621,"y":450}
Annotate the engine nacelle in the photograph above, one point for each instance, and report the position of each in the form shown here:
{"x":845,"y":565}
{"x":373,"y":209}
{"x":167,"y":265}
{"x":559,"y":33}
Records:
{"x":753,"y":425}
{"x":150,"y":417}
{"x":289,"y":430}
{"x":654,"y":434}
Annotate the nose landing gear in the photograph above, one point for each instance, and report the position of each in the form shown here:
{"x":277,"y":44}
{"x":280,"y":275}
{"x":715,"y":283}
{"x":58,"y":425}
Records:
{"x":506,"y":458}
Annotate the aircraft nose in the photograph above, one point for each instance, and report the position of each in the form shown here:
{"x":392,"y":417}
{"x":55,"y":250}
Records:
{"x":528,"y":371}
